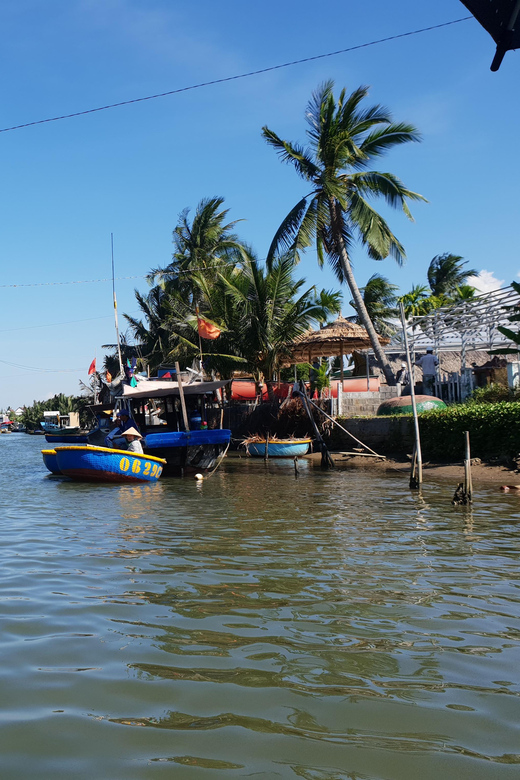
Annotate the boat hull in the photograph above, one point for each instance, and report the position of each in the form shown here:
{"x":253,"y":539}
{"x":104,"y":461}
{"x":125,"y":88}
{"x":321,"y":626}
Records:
{"x":51,"y":461}
{"x":279,"y":449}
{"x":66,"y":438}
{"x":102,"y":464}
{"x":189,"y":450}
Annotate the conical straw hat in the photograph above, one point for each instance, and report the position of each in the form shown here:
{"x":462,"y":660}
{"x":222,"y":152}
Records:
{"x":132,"y":432}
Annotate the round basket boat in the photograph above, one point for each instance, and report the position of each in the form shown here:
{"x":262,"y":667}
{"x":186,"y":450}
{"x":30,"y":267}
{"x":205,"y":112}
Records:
{"x":51,"y":461}
{"x":279,"y":448}
{"x":102,"y":464}
{"x":403,"y":404}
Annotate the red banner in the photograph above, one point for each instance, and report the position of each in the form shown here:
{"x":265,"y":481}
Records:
{"x":92,"y":369}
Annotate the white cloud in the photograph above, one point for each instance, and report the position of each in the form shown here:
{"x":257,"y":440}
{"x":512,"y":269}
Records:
{"x":486,"y":281}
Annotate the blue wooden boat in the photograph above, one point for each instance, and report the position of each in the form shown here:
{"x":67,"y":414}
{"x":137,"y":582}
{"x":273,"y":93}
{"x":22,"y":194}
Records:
{"x":167,"y":432}
{"x":189,"y":450}
{"x":279,"y":448}
{"x":51,"y":461}
{"x":103,"y":464}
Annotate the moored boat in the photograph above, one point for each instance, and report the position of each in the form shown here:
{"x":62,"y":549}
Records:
{"x":51,"y":461}
{"x":278,"y":448}
{"x":67,"y":437}
{"x":103,"y":464}
{"x":191,"y":447}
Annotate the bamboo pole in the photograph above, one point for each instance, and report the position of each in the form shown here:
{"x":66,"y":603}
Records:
{"x":181,"y":393}
{"x":326,"y":460}
{"x":468,"y":485}
{"x":121,"y":369}
{"x":266,"y":453}
{"x":343,"y":429}
{"x":415,"y":480}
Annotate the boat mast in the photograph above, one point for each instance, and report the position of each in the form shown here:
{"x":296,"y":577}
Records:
{"x":115,"y":309}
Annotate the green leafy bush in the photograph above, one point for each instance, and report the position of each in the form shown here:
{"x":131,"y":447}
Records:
{"x":494,"y":430}
{"x":491,"y":394}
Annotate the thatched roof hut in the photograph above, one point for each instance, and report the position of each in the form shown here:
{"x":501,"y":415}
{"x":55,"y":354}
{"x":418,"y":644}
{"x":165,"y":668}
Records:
{"x":340,"y":337}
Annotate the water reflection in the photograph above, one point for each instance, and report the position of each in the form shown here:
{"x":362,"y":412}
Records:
{"x":334,"y":626}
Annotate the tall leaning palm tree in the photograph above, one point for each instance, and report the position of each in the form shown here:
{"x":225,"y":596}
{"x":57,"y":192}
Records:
{"x":344,"y":138}
{"x":380,"y":299}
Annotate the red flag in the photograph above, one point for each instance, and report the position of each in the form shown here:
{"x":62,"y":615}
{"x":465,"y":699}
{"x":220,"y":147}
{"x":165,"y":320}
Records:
{"x":207,"y":330}
{"x":92,"y":369}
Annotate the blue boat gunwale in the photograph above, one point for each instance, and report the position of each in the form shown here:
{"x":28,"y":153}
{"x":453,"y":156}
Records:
{"x":112,"y":451}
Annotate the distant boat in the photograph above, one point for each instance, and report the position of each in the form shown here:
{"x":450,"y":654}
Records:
{"x":278,"y":448}
{"x":103,"y":464}
{"x":67,"y":437}
{"x":56,"y":423}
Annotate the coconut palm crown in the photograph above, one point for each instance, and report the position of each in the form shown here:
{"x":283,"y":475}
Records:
{"x":344,"y":137}
{"x":446,"y":273}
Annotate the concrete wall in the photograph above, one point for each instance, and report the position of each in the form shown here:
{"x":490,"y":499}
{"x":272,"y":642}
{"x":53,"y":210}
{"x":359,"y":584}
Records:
{"x":365,"y":404}
{"x":385,"y":435}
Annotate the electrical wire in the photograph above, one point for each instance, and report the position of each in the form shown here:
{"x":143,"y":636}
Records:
{"x":159,"y":274}
{"x":43,"y":370}
{"x":238,"y":76}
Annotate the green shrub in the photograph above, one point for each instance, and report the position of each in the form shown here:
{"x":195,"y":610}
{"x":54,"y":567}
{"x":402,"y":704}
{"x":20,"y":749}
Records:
{"x":491,"y":394}
{"x":494,"y":429}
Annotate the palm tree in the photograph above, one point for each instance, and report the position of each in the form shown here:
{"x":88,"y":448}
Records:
{"x":274,"y":310}
{"x":416,"y":302}
{"x":465,"y":292}
{"x":152,"y":335}
{"x":343,"y":139}
{"x":380,"y":299}
{"x":446,"y":273}
{"x":205,"y":244}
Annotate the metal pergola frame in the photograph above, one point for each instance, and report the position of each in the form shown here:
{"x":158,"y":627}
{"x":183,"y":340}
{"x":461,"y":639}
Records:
{"x":470,"y":324}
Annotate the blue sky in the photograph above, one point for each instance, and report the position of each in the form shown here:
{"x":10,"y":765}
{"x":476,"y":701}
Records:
{"x":67,"y":185}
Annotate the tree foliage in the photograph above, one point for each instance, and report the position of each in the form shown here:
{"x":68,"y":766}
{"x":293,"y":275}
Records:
{"x":344,"y":137}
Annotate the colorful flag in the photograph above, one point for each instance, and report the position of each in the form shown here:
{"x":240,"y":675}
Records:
{"x":92,"y":369}
{"x":207,"y":330}
{"x":108,"y":376}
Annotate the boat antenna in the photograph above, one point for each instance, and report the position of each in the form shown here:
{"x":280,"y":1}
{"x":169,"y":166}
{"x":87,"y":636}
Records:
{"x":115,"y":309}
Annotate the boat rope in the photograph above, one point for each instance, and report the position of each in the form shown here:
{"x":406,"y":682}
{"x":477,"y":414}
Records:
{"x":221,"y":458}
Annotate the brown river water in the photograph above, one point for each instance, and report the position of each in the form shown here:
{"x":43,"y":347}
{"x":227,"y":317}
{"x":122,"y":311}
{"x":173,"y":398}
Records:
{"x":330,"y":627}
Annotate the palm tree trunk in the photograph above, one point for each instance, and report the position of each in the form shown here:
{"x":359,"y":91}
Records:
{"x":358,"y":299}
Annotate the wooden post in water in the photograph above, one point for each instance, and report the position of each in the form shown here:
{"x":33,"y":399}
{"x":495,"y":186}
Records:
{"x":416,"y":473}
{"x":266,"y":454}
{"x":468,"y":485}
{"x":183,"y":402}
{"x":464,"y":492}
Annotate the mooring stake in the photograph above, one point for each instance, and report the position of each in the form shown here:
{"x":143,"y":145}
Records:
{"x":464,"y":492}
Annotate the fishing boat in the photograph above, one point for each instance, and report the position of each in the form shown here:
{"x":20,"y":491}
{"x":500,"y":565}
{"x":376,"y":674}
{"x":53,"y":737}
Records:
{"x":57,"y":424}
{"x":103,"y":464}
{"x":277,"y":448}
{"x":172,"y":417}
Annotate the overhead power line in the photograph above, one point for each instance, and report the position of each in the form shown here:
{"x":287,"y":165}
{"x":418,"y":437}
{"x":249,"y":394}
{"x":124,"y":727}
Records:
{"x":239,"y":76}
{"x":80,"y":281}
{"x":159,"y":274}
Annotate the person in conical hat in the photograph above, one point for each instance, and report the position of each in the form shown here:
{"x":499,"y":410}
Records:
{"x":133,"y":438}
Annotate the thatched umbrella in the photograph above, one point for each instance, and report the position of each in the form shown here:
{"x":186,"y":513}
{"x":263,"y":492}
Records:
{"x":340,"y":337}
